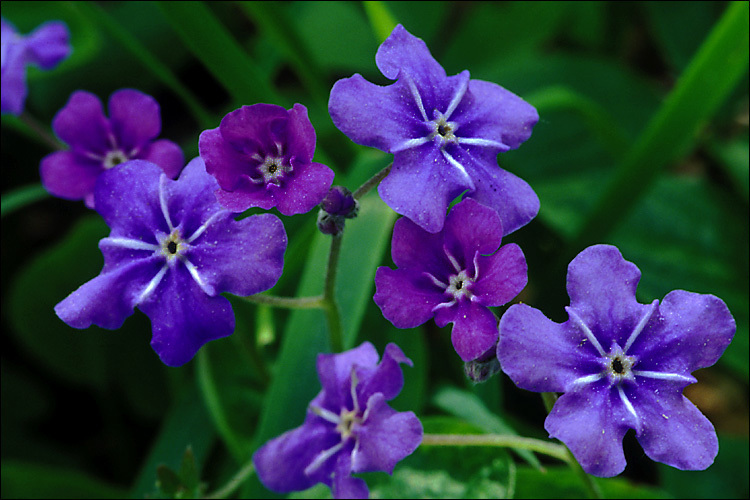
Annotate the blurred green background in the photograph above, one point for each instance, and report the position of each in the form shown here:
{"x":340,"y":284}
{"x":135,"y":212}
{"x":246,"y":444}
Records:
{"x":642,"y":143}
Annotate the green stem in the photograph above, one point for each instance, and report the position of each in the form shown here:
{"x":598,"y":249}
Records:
{"x":41,"y":131}
{"x":317,"y":302}
{"x":499,"y":440}
{"x":331,"y":306}
{"x":21,"y":197}
{"x":372,"y":182}
{"x":549,"y":399}
{"x":235,"y":482}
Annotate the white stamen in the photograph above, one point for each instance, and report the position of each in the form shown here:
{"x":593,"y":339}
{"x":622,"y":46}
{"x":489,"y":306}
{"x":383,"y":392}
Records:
{"x":640,"y":326}
{"x":587,"y":379}
{"x":663,"y":376}
{"x":152,"y":284}
{"x":205,"y":225}
{"x":326,"y":414}
{"x":163,"y":201}
{"x":455,"y":163}
{"x":417,"y":98}
{"x":476,"y":265}
{"x":322,"y":457}
{"x":628,"y":405}
{"x":453,"y":260}
{"x":258,"y":157}
{"x":475,"y":141}
{"x":128,"y":243}
{"x":456,"y":99}
{"x":411,"y":143}
{"x":444,"y":304}
{"x":353,"y":389}
{"x":197,"y":277}
{"x":436,"y":281}
{"x":586,"y":330}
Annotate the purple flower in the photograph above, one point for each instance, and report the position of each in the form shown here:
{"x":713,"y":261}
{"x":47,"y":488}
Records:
{"x":98,"y":143}
{"x":349,"y":427}
{"x":262,"y":157}
{"x":453,"y":275}
{"x":171,"y":252}
{"x":622,"y":365}
{"x":45,"y":47}
{"x":445,"y":133}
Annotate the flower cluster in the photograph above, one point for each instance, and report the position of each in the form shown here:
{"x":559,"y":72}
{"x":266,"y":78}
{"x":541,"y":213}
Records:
{"x":45,"y":47}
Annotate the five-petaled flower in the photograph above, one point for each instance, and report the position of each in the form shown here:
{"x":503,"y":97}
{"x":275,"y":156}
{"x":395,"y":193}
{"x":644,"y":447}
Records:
{"x":171,"y":251}
{"x":445,"y":133}
{"x":349,"y":427}
{"x":262,"y":157}
{"x":620,"y":364}
{"x":453,"y":275}
{"x":98,"y":143}
{"x":45,"y":47}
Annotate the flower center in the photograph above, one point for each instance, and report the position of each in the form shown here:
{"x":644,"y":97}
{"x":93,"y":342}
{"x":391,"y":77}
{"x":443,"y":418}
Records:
{"x":459,"y":285}
{"x":444,"y":129}
{"x":173,"y":245}
{"x":347,"y":422}
{"x":114,"y":158}
{"x":619,"y":366}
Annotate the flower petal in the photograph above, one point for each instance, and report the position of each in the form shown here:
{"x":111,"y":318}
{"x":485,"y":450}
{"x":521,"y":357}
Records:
{"x":405,"y":296}
{"x":402,"y":53}
{"x":414,"y":248}
{"x":167,"y":155}
{"x":386,"y":378}
{"x":421,"y":185}
{"x":474,"y":330}
{"x":344,"y":485}
{"x":335,"y":373}
{"x":510,"y":196}
{"x":183,"y":317}
{"x":68,"y":175}
{"x":82,"y":125}
{"x":591,"y":422}
{"x":488,"y":111}
{"x":280,"y":463}
{"x":250,"y":128}
{"x":299,"y":139}
{"x":240,"y":257}
{"x":228,"y":165}
{"x":541,"y":355}
{"x":601,"y":286}
{"x":470,"y":228}
{"x":48,"y":44}
{"x":13,"y":85}
{"x":109,"y":298}
{"x":692,"y":332}
{"x":246,"y":195}
{"x":502,"y":276}
{"x":191,"y":199}
{"x":674,"y":431}
{"x":375,"y":116}
{"x":305,"y":189}
{"x":135,"y":118}
{"x":386,"y":437}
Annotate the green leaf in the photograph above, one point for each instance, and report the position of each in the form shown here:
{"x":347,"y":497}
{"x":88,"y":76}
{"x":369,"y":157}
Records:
{"x":202,"y":32}
{"x":709,"y":79}
{"x":469,"y":407}
{"x":29,"y":480}
{"x":381,"y":19}
{"x":20,"y":197}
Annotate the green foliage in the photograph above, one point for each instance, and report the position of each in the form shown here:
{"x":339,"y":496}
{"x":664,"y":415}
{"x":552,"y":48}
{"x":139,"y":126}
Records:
{"x":642,"y":142}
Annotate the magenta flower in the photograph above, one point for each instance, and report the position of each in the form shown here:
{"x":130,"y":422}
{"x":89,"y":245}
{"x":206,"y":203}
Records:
{"x":454,"y":276}
{"x":444,"y":131}
{"x":262,"y":157}
{"x":172,"y":251}
{"x":98,"y":143}
{"x":45,"y":47}
{"x":349,"y":427}
{"x":620,"y":364}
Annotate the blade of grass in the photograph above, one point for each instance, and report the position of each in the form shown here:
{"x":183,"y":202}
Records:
{"x":20,"y":197}
{"x":99,"y":17}
{"x":702,"y":88}
{"x":220,"y":53}
{"x":381,"y":19}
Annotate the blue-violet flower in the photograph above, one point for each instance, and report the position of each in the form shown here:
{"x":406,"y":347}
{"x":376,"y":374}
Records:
{"x":171,"y":251}
{"x":98,"y":143}
{"x":262,"y":157}
{"x":45,"y":47}
{"x":445,"y":133}
{"x":620,"y":364}
{"x":349,"y":427}
{"x":453,"y":275}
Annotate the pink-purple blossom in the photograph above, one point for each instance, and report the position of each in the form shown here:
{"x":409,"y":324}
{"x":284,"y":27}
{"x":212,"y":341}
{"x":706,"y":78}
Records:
{"x":444,"y":131}
{"x":261,"y":155}
{"x":97,"y":143}
{"x":171,"y":252}
{"x":349,"y":427}
{"x":620,"y":364}
{"x":45,"y":47}
{"x":454,"y":275}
